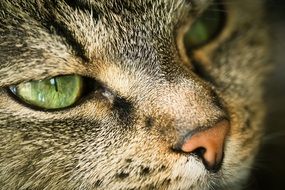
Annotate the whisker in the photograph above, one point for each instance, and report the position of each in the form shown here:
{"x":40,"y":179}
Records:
{"x":273,"y":138}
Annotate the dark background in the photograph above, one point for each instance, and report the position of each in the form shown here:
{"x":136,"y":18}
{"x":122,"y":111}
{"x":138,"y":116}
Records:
{"x":269,"y":170}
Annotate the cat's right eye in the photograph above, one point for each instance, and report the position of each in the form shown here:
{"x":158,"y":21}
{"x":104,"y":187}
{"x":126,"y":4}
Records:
{"x":206,"y":27}
{"x":49,"y":94}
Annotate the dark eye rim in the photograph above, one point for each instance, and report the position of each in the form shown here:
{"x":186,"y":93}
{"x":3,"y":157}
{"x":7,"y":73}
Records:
{"x":89,"y":85}
{"x":220,"y":4}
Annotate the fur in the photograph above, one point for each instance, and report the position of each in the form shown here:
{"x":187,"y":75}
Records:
{"x":122,"y":138}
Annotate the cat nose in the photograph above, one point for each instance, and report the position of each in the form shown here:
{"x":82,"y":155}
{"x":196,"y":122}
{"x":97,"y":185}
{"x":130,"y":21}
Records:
{"x":207,"y":144}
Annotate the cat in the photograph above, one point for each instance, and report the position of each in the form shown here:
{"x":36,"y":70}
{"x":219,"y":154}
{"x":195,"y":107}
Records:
{"x":126,"y":94}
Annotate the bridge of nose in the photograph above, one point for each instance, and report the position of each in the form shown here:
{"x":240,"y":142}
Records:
{"x":186,"y":108}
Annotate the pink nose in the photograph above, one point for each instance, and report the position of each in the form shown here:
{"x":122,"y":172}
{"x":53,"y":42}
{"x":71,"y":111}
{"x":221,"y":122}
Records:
{"x":211,"y":141}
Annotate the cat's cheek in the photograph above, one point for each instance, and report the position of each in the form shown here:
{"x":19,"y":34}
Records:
{"x":243,"y":142}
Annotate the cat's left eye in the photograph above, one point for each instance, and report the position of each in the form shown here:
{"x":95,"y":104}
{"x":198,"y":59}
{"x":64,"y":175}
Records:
{"x":49,"y":94}
{"x":206,"y":27}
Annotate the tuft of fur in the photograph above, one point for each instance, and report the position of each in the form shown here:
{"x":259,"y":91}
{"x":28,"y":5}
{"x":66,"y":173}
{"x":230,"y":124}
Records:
{"x":122,"y":138}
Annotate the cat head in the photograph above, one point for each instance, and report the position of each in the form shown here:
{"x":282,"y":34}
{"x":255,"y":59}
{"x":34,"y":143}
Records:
{"x":148,"y":92}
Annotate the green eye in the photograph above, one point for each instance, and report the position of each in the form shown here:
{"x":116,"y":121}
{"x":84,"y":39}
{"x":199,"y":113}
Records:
{"x":54,"y":93}
{"x":206,"y":27}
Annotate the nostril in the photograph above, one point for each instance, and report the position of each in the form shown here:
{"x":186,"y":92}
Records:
{"x":211,"y":166}
{"x":207,"y":145}
{"x":199,"y":152}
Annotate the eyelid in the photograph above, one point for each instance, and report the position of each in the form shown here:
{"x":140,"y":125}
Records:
{"x":199,"y":6}
{"x":27,"y":74}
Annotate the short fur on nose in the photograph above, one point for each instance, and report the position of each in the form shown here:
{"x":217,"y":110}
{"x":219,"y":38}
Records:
{"x":208,"y":144}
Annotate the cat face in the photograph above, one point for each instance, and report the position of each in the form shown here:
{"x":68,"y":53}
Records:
{"x":146,"y":93}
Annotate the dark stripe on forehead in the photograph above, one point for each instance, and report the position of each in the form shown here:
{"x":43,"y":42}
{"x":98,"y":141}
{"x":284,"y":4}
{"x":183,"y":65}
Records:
{"x":137,"y":7}
{"x":66,"y":34}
